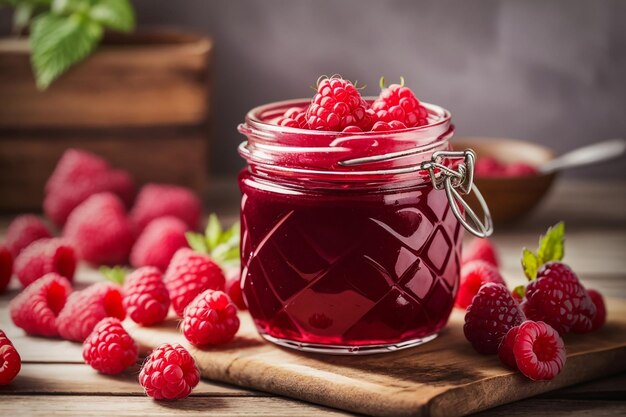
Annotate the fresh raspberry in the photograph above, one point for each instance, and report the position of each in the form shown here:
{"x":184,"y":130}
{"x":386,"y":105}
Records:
{"x":487,"y":166}
{"x":520,"y":169}
{"x":398,"y":103}
{"x":36,"y":308}
{"x":505,"y":350}
{"x":557,"y":297}
{"x":85,"y":308}
{"x":100,"y":230}
{"x":293,"y":117}
{"x":381,"y":126}
{"x":490,"y":316}
{"x":189,"y":274}
{"x":210,"y":319}
{"x":23,"y":231}
{"x":481,"y":249}
{"x":109,"y":348}
{"x":336,"y":105}
{"x":10,"y":361}
{"x":169,"y":373}
{"x":44,"y":256}
{"x":600,"y":317}
{"x":6,"y":267}
{"x":473,"y":275}
{"x":159,"y":200}
{"x":158,"y":243}
{"x":233,"y":288}
{"x":78,"y":175}
{"x":146,"y":299}
{"x":539,"y":351}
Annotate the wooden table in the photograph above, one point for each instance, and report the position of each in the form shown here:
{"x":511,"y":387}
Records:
{"x":55,"y":381}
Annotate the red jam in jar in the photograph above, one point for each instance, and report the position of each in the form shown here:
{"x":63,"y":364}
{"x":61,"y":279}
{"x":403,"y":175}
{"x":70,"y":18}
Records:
{"x":345,"y":259}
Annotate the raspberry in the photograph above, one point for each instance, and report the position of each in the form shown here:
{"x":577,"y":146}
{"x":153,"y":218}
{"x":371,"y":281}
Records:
{"x":36,"y":308}
{"x":398,"y":103}
{"x":77,"y":176}
{"x":210,"y":319}
{"x":6,"y":267}
{"x":44,"y":256}
{"x":490,"y":316}
{"x":100,"y":230}
{"x":293,"y":117}
{"x":169,"y":373}
{"x":10,"y":361}
{"x":159,"y":200}
{"x":189,"y":274}
{"x":233,"y":289}
{"x":109,"y":348}
{"x":146,"y":299}
{"x":158,"y":243}
{"x":381,"y":126}
{"x":481,"y":249}
{"x":539,"y":351}
{"x":487,"y":166}
{"x":505,"y":350}
{"x":600,"y":317}
{"x":23,"y":231}
{"x":85,"y":308}
{"x":520,"y":169}
{"x":473,"y":275}
{"x":336,"y":105}
{"x":558,"y":298}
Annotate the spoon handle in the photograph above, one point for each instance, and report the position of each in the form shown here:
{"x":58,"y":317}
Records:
{"x":586,"y":155}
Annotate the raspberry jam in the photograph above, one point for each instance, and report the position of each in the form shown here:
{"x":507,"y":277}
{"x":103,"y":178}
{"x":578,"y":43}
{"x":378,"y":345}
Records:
{"x":345,"y":259}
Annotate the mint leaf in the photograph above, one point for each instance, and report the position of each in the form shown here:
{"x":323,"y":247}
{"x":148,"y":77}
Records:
{"x":213,"y":232}
{"x":530,"y":264}
{"x":58,"y":42}
{"x":114,"y":14}
{"x":520,"y":290}
{"x":551,"y":245}
{"x":115,"y":274}
{"x":196,"y":242}
{"x":22,"y":15}
{"x":67,"y":7}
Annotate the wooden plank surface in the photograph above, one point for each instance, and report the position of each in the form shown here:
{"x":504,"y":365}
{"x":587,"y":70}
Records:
{"x":596,"y":236}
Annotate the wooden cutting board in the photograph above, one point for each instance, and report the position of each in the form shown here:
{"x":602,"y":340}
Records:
{"x":444,"y":377}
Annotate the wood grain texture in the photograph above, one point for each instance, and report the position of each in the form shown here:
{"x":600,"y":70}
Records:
{"x":444,"y":377}
{"x":136,"y":80}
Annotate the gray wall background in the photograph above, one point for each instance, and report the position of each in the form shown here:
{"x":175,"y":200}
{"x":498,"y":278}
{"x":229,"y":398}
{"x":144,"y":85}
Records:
{"x":553,"y":72}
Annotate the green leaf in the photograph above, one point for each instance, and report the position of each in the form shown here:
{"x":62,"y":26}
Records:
{"x":530,"y":264}
{"x":58,"y":42}
{"x":213,"y":232}
{"x":520,"y":290}
{"x":67,"y":7}
{"x":22,"y":16}
{"x":115,"y":274}
{"x":551,"y":245}
{"x":114,"y":14}
{"x":225,"y":253}
{"x":196,"y":242}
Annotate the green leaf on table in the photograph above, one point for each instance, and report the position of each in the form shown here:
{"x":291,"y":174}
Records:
{"x":68,"y":7}
{"x":116,"y":274}
{"x":213,"y":232}
{"x":22,"y":16}
{"x":114,"y":14}
{"x":551,"y":245}
{"x":58,"y":42}
{"x":197,"y":242}
{"x":530,"y":264}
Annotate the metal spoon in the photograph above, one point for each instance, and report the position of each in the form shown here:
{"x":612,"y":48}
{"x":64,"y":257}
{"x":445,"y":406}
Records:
{"x":586,"y":155}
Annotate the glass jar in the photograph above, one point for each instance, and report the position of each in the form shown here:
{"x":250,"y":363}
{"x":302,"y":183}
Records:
{"x":349,"y":241}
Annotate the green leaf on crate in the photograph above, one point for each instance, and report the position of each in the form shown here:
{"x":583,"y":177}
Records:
{"x":114,"y":14}
{"x":551,"y":245}
{"x":530,"y":264}
{"x":213,"y":232}
{"x":58,"y":42}
{"x":520,"y":290}
{"x":116,"y":274}
{"x":197,"y":242}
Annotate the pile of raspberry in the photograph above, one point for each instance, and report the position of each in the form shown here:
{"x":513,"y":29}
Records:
{"x":524,"y":326}
{"x":338,"y":106}
{"x":93,"y":215}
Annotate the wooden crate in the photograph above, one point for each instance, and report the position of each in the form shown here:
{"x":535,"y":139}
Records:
{"x":142,"y":101}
